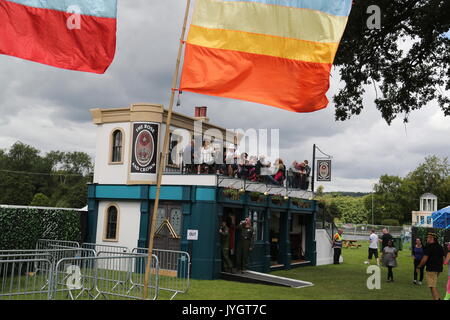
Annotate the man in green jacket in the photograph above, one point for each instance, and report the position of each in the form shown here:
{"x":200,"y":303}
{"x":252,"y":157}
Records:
{"x":245,"y":244}
{"x":225,"y":240}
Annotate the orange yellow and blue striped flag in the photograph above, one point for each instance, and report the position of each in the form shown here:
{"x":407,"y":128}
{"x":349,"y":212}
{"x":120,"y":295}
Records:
{"x":274,"y":52}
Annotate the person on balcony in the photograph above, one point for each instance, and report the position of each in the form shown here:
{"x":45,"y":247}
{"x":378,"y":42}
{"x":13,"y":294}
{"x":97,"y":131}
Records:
{"x":307,"y":173}
{"x":261,"y":167}
{"x":231,"y":158}
{"x":301,"y":176}
{"x":279,"y":173}
{"x":292,"y":176}
{"x":217,"y":145}
{"x":207,"y":157}
{"x":243,"y":166}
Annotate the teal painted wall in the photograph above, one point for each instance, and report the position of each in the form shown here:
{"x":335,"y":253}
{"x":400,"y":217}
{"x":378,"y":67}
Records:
{"x":118,"y":192}
{"x":202,"y":209}
{"x":92,"y":218}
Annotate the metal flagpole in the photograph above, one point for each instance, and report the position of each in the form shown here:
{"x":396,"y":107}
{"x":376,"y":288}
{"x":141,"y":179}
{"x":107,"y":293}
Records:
{"x":162,"y":156}
{"x":313,"y":169}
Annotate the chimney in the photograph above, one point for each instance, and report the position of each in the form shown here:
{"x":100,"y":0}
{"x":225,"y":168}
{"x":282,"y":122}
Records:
{"x":201,"y":113}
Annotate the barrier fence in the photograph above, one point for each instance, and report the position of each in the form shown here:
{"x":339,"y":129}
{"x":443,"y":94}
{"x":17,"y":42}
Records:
{"x":104,"y":248}
{"x":19,"y":278}
{"x":356,"y":231}
{"x":103,"y":277}
{"x":174,"y":269}
{"x":59,"y":270}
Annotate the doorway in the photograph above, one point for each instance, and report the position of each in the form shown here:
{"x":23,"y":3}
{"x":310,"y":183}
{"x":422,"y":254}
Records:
{"x":274,"y":236}
{"x":296,"y":233}
{"x":232,"y":217}
{"x":168,"y":227}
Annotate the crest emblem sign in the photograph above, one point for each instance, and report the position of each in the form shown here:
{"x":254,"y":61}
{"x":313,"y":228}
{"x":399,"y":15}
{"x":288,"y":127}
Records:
{"x":145,"y":146}
{"x":324,"y":170}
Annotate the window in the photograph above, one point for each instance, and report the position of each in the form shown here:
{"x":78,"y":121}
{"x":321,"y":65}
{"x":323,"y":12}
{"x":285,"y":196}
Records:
{"x":258,"y":224}
{"x":117,"y":146}
{"x":428,"y":220}
{"x":112,"y":219}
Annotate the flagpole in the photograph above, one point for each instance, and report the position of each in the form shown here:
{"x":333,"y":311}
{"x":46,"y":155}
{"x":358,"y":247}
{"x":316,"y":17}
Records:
{"x":162,"y":156}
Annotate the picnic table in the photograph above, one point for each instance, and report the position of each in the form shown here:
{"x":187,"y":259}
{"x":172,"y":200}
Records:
{"x":350,"y":244}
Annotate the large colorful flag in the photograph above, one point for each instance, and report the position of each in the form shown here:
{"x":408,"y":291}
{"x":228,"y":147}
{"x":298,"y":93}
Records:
{"x":273,"y":52}
{"x":70,"y":34}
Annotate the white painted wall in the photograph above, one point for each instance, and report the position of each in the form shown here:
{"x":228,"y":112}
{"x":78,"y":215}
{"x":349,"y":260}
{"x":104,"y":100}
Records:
{"x":130,"y":217}
{"x":324,"y":248}
{"x":105,"y":173}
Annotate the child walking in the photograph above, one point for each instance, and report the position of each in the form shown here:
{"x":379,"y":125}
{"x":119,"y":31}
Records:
{"x":390,"y":259}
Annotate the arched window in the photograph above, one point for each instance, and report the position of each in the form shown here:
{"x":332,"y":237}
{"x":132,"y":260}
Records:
{"x":112,"y":222}
{"x":116,"y":146}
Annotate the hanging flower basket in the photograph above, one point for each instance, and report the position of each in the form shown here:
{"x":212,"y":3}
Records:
{"x":232,"y":194}
{"x":256,"y":197}
{"x":301,"y":203}
{"x":277,"y":199}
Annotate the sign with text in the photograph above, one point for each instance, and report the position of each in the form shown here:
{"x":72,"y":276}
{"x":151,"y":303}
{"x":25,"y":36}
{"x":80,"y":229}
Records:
{"x":323,"y":170}
{"x":192,"y":234}
{"x":144,"y":147}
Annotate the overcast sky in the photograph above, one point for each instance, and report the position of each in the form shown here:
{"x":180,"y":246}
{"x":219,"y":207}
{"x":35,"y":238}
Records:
{"x":48,"y":108}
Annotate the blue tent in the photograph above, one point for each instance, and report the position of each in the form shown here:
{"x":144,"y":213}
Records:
{"x":441,"y":218}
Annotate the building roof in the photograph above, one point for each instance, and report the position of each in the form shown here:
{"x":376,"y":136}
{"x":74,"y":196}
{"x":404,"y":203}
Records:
{"x":428,"y":195}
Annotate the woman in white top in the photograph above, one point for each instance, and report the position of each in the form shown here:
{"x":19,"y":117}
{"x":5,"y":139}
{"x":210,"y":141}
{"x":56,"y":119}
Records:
{"x":207,"y":156}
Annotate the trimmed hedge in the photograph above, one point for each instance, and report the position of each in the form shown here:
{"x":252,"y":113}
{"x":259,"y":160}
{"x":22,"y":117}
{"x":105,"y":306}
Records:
{"x":20,"y":228}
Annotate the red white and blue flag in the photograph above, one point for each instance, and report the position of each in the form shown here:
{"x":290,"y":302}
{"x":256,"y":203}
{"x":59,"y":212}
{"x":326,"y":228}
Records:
{"x":70,"y":34}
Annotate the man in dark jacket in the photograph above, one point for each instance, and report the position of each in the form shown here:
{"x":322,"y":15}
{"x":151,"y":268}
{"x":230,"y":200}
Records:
{"x":385,"y":238}
{"x":433,"y":259}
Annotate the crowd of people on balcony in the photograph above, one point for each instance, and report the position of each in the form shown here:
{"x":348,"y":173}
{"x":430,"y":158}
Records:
{"x":211,"y":159}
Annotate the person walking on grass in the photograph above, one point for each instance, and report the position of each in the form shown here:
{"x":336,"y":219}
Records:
{"x":337,"y":246}
{"x":417,"y":255}
{"x":385,"y":238}
{"x":433,"y":259}
{"x":447,"y":260}
{"x":373,"y":247}
{"x":390,"y":259}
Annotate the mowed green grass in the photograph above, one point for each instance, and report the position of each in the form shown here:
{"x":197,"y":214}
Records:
{"x":345,"y":281}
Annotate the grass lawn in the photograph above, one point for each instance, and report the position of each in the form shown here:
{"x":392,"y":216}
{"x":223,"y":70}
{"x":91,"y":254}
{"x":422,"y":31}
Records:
{"x":345,"y":281}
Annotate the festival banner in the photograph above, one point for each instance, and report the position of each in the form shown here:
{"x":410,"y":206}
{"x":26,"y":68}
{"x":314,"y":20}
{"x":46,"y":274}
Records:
{"x":274,"y":52}
{"x":70,"y":34}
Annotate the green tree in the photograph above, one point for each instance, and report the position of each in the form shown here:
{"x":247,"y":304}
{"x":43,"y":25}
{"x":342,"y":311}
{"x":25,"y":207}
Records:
{"x":40,"y":200}
{"x":407,"y":60}
{"x":389,"y":200}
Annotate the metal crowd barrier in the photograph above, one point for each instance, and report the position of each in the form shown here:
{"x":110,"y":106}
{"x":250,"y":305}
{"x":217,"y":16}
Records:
{"x":174,"y":269}
{"x":104,"y":276}
{"x":64,"y":270}
{"x":19,"y":278}
{"x":104,"y":248}
{"x":55,"y":244}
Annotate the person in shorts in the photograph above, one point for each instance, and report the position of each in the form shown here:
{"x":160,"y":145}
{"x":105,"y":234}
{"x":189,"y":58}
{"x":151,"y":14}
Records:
{"x":433,"y":259}
{"x":373,"y":247}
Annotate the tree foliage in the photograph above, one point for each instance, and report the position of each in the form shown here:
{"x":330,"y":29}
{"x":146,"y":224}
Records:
{"x":395,"y":197}
{"x":55,"y":179}
{"x":406,"y":60}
